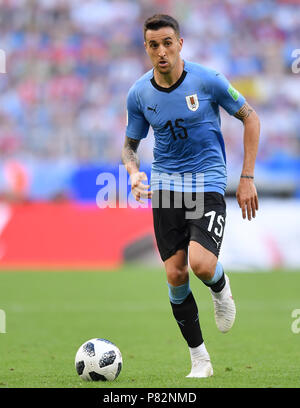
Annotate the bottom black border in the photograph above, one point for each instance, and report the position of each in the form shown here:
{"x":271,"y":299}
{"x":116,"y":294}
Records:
{"x":96,"y":397}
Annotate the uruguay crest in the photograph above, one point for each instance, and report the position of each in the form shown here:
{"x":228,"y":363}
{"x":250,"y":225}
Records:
{"x":192,"y":102}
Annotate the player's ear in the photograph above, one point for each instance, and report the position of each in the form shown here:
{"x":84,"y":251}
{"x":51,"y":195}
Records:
{"x":180,"y":41}
{"x":145,"y":45}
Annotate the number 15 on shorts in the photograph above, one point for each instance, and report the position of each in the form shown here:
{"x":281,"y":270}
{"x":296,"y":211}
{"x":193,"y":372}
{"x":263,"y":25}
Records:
{"x":215,"y":226}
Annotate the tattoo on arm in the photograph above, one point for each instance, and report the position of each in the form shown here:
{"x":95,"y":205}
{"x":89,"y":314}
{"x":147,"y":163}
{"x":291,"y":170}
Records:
{"x":244,"y":112}
{"x":129,"y":151}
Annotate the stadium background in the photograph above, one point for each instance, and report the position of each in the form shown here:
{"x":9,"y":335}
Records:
{"x":69,"y":65}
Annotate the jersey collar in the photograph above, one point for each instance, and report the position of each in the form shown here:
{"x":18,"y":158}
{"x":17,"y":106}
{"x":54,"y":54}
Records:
{"x":171,"y":88}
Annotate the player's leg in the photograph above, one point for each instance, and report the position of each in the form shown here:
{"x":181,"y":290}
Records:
{"x":185,"y":312}
{"x":172,"y":241}
{"x":206,"y":267}
{"x":206,"y":236}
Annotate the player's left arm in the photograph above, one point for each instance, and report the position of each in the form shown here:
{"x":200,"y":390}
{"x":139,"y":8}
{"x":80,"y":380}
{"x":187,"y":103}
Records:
{"x":235,"y":104}
{"x":246,"y":192}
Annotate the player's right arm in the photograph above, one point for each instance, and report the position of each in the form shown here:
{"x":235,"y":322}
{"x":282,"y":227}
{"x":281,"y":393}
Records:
{"x":131,"y":162}
{"x":137,"y":129}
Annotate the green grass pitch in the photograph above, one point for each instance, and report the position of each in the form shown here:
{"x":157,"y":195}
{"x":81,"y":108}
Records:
{"x":50,"y":314}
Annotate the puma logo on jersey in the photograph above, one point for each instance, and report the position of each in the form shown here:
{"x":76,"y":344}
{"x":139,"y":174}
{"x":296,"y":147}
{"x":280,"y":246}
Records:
{"x":152,"y":109}
{"x":192,"y":102}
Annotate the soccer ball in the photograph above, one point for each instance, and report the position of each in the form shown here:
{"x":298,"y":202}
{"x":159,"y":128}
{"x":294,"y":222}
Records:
{"x":98,"y":360}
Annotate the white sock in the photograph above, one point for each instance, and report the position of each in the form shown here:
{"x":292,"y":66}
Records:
{"x":199,"y":351}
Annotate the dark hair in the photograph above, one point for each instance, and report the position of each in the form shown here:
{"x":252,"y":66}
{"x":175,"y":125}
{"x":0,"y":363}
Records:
{"x":161,"y":20}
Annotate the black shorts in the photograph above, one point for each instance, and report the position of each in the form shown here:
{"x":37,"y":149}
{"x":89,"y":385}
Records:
{"x":174,"y":230}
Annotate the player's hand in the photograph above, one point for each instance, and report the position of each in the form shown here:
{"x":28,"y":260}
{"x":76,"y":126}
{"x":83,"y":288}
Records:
{"x":138,"y":188}
{"x":247,"y":198}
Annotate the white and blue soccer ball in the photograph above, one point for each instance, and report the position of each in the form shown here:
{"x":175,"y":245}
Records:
{"x":98,"y":360}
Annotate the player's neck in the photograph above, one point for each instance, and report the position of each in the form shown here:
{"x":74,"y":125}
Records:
{"x":169,"y":79}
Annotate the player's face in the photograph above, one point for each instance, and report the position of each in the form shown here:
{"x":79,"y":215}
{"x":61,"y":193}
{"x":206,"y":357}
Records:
{"x":163,"y":48}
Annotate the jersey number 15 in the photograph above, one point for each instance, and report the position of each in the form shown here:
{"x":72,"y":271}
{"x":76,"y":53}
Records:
{"x":181,"y":135}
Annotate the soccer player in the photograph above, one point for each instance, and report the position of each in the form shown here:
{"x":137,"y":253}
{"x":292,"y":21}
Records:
{"x":180,"y":100}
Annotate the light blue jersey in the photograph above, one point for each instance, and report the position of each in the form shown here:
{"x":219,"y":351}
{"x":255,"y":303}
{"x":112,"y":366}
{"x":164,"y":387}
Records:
{"x":186,"y":122}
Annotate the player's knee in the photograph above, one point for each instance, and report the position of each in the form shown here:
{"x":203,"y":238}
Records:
{"x":203,"y":269}
{"x":177,"y":275}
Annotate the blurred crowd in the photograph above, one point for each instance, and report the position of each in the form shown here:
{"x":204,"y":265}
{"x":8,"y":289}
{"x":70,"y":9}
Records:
{"x":70,"y":63}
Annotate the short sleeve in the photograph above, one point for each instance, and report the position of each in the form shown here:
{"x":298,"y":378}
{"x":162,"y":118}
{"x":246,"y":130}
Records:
{"x":137,"y":126}
{"x":226,"y":95}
